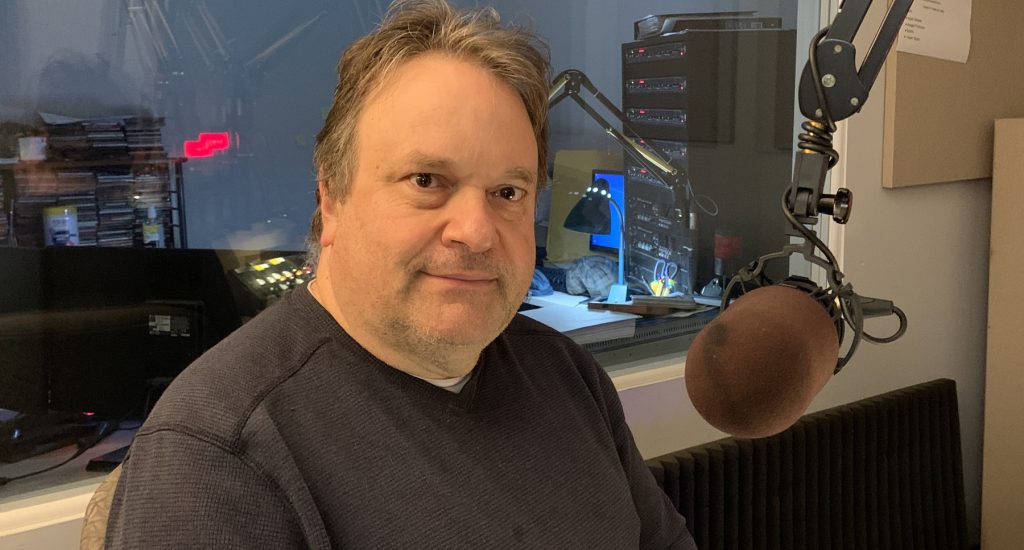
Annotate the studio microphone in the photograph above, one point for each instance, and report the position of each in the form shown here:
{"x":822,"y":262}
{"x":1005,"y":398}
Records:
{"x":754,"y":370}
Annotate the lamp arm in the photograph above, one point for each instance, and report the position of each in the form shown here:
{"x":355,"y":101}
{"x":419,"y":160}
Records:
{"x":568,"y":83}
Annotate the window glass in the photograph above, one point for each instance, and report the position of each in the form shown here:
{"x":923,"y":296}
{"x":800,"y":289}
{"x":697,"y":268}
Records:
{"x":170,"y":142}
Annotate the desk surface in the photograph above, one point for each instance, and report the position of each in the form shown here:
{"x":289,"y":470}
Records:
{"x":50,"y":506}
{"x":68,"y":475}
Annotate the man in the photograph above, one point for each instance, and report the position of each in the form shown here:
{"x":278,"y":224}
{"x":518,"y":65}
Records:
{"x":398,"y":401}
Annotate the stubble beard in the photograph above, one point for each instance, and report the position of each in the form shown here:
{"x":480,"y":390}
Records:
{"x":411,"y":332}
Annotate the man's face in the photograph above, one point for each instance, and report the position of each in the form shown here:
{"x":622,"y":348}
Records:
{"x":433,"y":247}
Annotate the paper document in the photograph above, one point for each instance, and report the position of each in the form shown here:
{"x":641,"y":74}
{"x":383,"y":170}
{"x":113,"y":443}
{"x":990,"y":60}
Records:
{"x":583,"y":325}
{"x":937,"y":28}
{"x":557,"y":299}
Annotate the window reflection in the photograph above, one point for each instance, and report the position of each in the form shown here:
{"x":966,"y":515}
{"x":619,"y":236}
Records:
{"x":170,"y":143}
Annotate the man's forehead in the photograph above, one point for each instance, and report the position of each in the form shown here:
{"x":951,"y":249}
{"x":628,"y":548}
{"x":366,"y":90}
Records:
{"x":438,"y":113}
{"x":436,"y":81}
{"x":426,"y":65}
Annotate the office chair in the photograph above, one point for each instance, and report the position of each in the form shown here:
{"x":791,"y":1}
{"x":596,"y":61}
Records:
{"x":97,"y":512}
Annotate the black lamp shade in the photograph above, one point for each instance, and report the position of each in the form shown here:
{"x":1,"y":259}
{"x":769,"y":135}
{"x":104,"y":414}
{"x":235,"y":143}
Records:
{"x":592,"y":213}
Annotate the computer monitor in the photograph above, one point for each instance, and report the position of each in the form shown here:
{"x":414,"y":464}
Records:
{"x":616,"y":185}
{"x":86,"y":329}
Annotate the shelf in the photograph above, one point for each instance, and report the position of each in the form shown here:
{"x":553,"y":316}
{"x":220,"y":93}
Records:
{"x":101,"y":163}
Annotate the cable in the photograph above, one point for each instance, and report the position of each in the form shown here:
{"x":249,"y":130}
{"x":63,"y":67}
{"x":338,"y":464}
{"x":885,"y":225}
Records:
{"x":643,"y":284}
{"x":89,"y":442}
{"x":817,"y":135}
{"x":819,"y":90}
{"x":106,"y":429}
{"x":896,"y":335}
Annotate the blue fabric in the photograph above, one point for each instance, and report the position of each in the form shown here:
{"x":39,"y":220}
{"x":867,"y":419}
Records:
{"x":539,"y":286}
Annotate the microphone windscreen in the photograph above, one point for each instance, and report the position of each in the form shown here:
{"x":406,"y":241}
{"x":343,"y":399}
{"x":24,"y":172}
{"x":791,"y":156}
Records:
{"x":754,"y":370}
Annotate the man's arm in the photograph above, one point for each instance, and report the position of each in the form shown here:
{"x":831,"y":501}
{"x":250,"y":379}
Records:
{"x":178,"y":491}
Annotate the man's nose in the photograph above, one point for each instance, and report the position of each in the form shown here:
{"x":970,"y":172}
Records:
{"x":471,"y":222}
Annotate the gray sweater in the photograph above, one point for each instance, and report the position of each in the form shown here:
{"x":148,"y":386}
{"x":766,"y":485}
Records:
{"x":288,"y":434}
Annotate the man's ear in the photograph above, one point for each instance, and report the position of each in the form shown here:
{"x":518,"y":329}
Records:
{"x":328,"y":208}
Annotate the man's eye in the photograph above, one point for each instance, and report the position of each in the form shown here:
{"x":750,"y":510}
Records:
{"x":424,"y":180}
{"x":510,"y":193}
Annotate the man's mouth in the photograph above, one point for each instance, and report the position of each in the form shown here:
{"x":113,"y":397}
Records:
{"x":469,"y":277}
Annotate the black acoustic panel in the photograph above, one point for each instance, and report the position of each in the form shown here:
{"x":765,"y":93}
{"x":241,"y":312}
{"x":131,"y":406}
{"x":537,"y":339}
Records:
{"x":859,"y":515}
{"x":906,"y":474}
{"x":837,"y":493}
{"x":774,"y":495}
{"x":702,"y":493}
{"x":761,"y":494}
{"x":799,"y":482}
{"x":716,"y":489}
{"x":955,"y":456}
{"x":688,"y":488}
{"x":669,"y":470}
{"x":813,"y":493}
{"x":746,"y":499}
{"x":885,"y":472}
{"x":786,"y":489}
{"x":732,"y":494}
{"x":873,"y":494}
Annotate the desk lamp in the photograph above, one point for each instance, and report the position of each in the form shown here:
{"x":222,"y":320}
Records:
{"x":592,"y":215}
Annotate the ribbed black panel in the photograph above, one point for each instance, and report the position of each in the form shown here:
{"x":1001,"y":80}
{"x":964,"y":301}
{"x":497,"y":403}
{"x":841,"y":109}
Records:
{"x":881,"y":473}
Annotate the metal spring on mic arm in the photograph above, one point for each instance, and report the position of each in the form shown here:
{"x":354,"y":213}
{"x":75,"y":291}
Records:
{"x":817,"y":137}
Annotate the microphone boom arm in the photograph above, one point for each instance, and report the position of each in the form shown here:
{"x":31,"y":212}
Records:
{"x":831,"y":89}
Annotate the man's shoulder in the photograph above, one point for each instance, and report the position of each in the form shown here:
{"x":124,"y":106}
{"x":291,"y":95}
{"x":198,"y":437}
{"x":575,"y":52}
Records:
{"x":536,"y":343}
{"x":217,"y":393}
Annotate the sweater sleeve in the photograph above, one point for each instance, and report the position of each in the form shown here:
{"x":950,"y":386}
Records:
{"x":662,"y":527}
{"x":178,"y":491}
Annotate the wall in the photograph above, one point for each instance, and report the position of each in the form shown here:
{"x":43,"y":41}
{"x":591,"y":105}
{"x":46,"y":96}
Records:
{"x":926,"y":248}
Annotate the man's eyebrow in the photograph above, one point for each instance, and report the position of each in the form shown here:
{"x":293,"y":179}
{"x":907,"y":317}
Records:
{"x":520,"y":173}
{"x":423,"y":160}
{"x":420,"y":159}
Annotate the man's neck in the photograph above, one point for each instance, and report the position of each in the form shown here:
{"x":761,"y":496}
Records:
{"x":455,"y":364}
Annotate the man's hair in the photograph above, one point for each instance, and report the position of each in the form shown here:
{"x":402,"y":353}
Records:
{"x":410,"y":28}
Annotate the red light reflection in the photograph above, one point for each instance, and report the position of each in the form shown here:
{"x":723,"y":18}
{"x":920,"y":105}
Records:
{"x":207,"y":144}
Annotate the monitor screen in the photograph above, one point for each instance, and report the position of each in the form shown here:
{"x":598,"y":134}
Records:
{"x":616,"y":185}
{"x":102,"y":324}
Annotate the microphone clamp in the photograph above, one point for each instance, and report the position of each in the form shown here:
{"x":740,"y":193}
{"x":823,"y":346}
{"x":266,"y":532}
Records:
{"x":844,"y":306}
